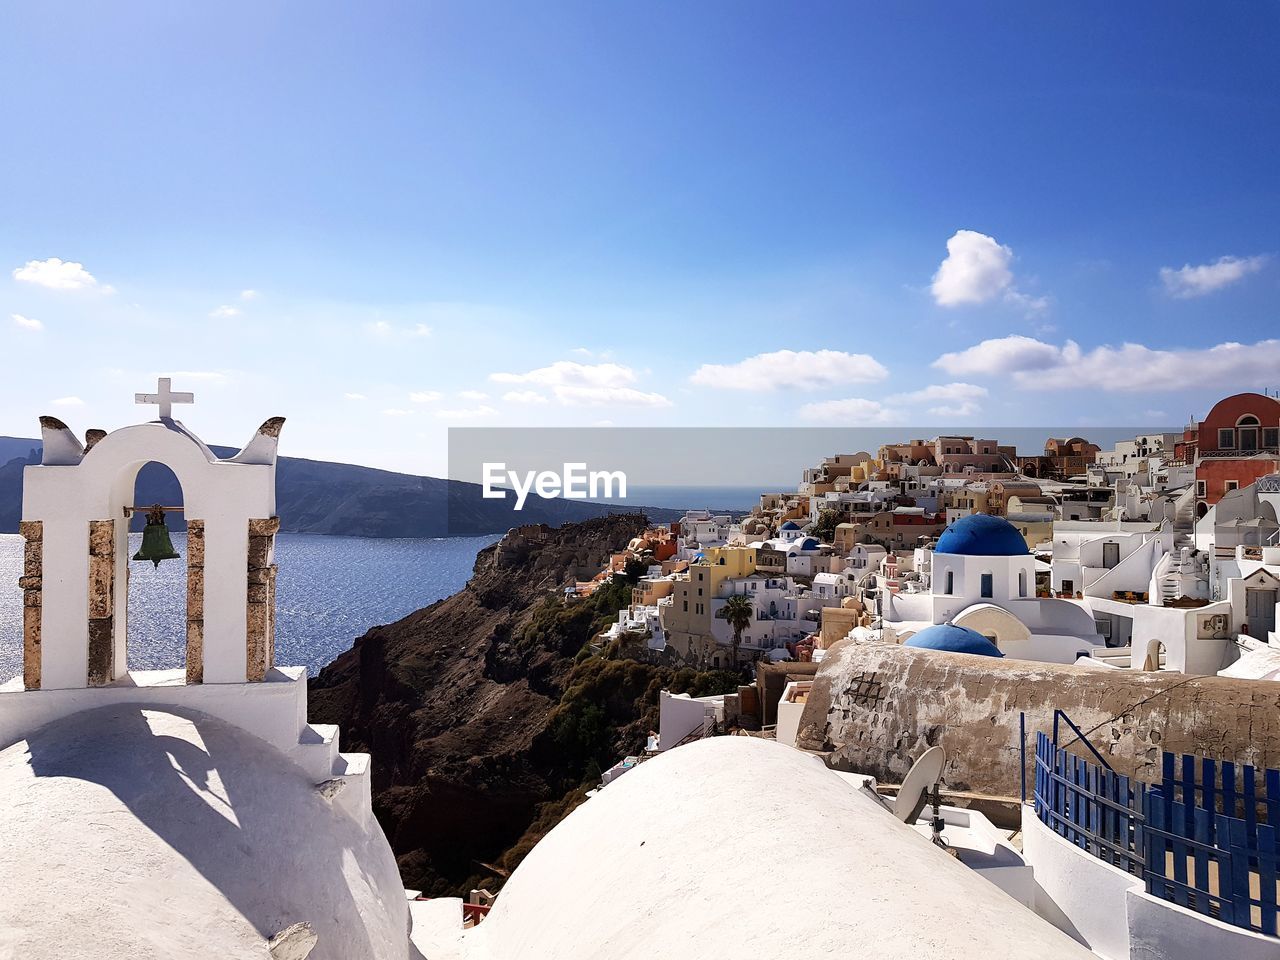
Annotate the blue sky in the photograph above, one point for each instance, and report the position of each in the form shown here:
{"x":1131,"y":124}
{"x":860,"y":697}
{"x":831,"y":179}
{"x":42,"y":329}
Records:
{"x":638,"y":214}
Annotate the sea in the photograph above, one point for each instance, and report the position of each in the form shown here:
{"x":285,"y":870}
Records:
{"x":330,"y":590}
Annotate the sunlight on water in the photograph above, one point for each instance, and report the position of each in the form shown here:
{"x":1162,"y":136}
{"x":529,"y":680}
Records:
{"x":330,"y":590}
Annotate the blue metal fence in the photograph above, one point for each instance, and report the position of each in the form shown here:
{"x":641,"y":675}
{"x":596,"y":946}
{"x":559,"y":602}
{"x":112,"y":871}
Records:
{"x":1205,"y":837}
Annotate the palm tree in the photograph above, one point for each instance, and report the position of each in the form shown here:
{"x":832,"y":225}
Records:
{"x":739,"y":611}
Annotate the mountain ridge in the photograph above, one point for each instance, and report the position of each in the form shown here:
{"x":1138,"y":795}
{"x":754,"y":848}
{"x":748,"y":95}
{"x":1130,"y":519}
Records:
{"x":344,"y":499}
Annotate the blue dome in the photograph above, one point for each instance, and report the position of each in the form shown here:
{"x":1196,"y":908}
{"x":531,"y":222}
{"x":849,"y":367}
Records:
{"x":809,"y":543}
{"x":982,"y":535}
{"x":953,"y":639}
{"x":791,"y":525}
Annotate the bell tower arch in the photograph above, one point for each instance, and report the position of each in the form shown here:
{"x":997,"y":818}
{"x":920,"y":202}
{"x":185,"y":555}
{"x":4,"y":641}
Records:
{"x":74,"y":517}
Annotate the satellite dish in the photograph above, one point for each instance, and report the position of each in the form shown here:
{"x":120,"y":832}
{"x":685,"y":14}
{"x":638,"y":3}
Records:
{"x":913,"y":794}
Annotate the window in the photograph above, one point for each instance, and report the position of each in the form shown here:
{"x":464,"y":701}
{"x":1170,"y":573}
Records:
{"x":1226,"y":439}
{"x":686,"y":606}
{"x":1271,"y":437}
{"x":988,"y":585}
{"x":1022,"y":583}
{"x":1232,"y":485}
{"x":1200,"y":488}
{"x":1068,"y":586}
{"x":951,"y":581}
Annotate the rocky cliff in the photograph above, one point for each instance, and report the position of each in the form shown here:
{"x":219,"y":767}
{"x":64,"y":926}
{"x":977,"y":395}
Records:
{"x":485,"y":717}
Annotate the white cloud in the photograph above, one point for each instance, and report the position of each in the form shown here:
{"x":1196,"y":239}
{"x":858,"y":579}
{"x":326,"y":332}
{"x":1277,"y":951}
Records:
{"x":1003,"y":355}
{"x":382,"y":328}
{"x":249,"y":295}
{"x":949,"y":399}
{"x":26,"y":323}
{"x":851,"y":412}
{"x":1128,"y":368}
{"x":474,"y":395}
{"x":354,"y":396}
{"x":977,"y":269}
{"x":56,"y":274}
{"x":1188,"y":281}
{"x":1133,"y":367}
{"x":396,"y":412}
{"x":425,"y":396}
{"x":524,"y":396}
{"x":68,"y":402}
{"x":803,"y":369}
{"x":470,"y":413}
{"x":582,"y":384}
{"x":570,"y":372}
{"x":1028,"y":303}
{"x":588,"y":396}
{"x":225,"y":311}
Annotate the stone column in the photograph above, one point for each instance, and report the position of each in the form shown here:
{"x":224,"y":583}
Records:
{"x":195,"y":601}
{"x":260,"y":622}
{"x":102,"y":593}
{"x":271,"y":617}
{"x":32,"y":583}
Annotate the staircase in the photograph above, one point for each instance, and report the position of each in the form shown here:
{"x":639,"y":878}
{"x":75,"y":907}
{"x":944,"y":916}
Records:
{"x":1115,"y":656}
{"x":341,"y":777}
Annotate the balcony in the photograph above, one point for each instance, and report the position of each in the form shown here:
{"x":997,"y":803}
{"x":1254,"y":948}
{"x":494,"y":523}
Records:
{"x":1237,"y":454}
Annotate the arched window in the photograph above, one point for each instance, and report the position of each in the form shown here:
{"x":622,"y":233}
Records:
{"x":1022,"y":583}
{"x":1247,"y":432}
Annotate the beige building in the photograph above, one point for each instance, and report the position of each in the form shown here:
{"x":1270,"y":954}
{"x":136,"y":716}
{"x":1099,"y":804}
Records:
{"x":687,"y":618}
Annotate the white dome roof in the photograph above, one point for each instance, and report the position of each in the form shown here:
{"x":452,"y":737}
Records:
{"x":659,"y":865}
{"x":163,"y":833}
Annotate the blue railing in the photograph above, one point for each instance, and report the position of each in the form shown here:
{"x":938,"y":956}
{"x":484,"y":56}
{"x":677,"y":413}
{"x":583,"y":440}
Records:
{"x":1205,"y":837}
{"x":1091,"y":806}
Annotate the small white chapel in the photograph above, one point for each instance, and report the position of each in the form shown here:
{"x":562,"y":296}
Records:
{"x":175,"y":813}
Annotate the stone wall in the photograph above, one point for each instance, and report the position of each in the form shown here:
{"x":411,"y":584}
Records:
{"x":260,"y":633}
{"x":31,"y":582}
{"x":102,"y":594}
{"x":879,"y":706}
{"x":195,"y":601}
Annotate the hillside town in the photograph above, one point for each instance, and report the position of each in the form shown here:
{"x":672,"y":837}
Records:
{"x":1158,"y":555}
{"x":1120,"y":602}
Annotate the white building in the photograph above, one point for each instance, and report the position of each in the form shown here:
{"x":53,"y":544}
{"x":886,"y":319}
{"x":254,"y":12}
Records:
{"x":661,"y":834}
{"x":1099,"y":558}
{"x":982,"y":577}
{"x":1136,"y":458}
{"x":701,"y":530}
{"x":783,"y":612}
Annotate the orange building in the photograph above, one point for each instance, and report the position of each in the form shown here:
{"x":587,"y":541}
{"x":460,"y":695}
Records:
{"x":1238,"y":442}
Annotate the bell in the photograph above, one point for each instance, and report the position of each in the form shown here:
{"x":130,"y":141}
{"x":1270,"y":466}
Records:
{"x":156,"y":545}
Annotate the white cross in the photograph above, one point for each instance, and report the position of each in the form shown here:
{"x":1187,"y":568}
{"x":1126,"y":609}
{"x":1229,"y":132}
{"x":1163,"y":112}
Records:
{"x":164,"y":397}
